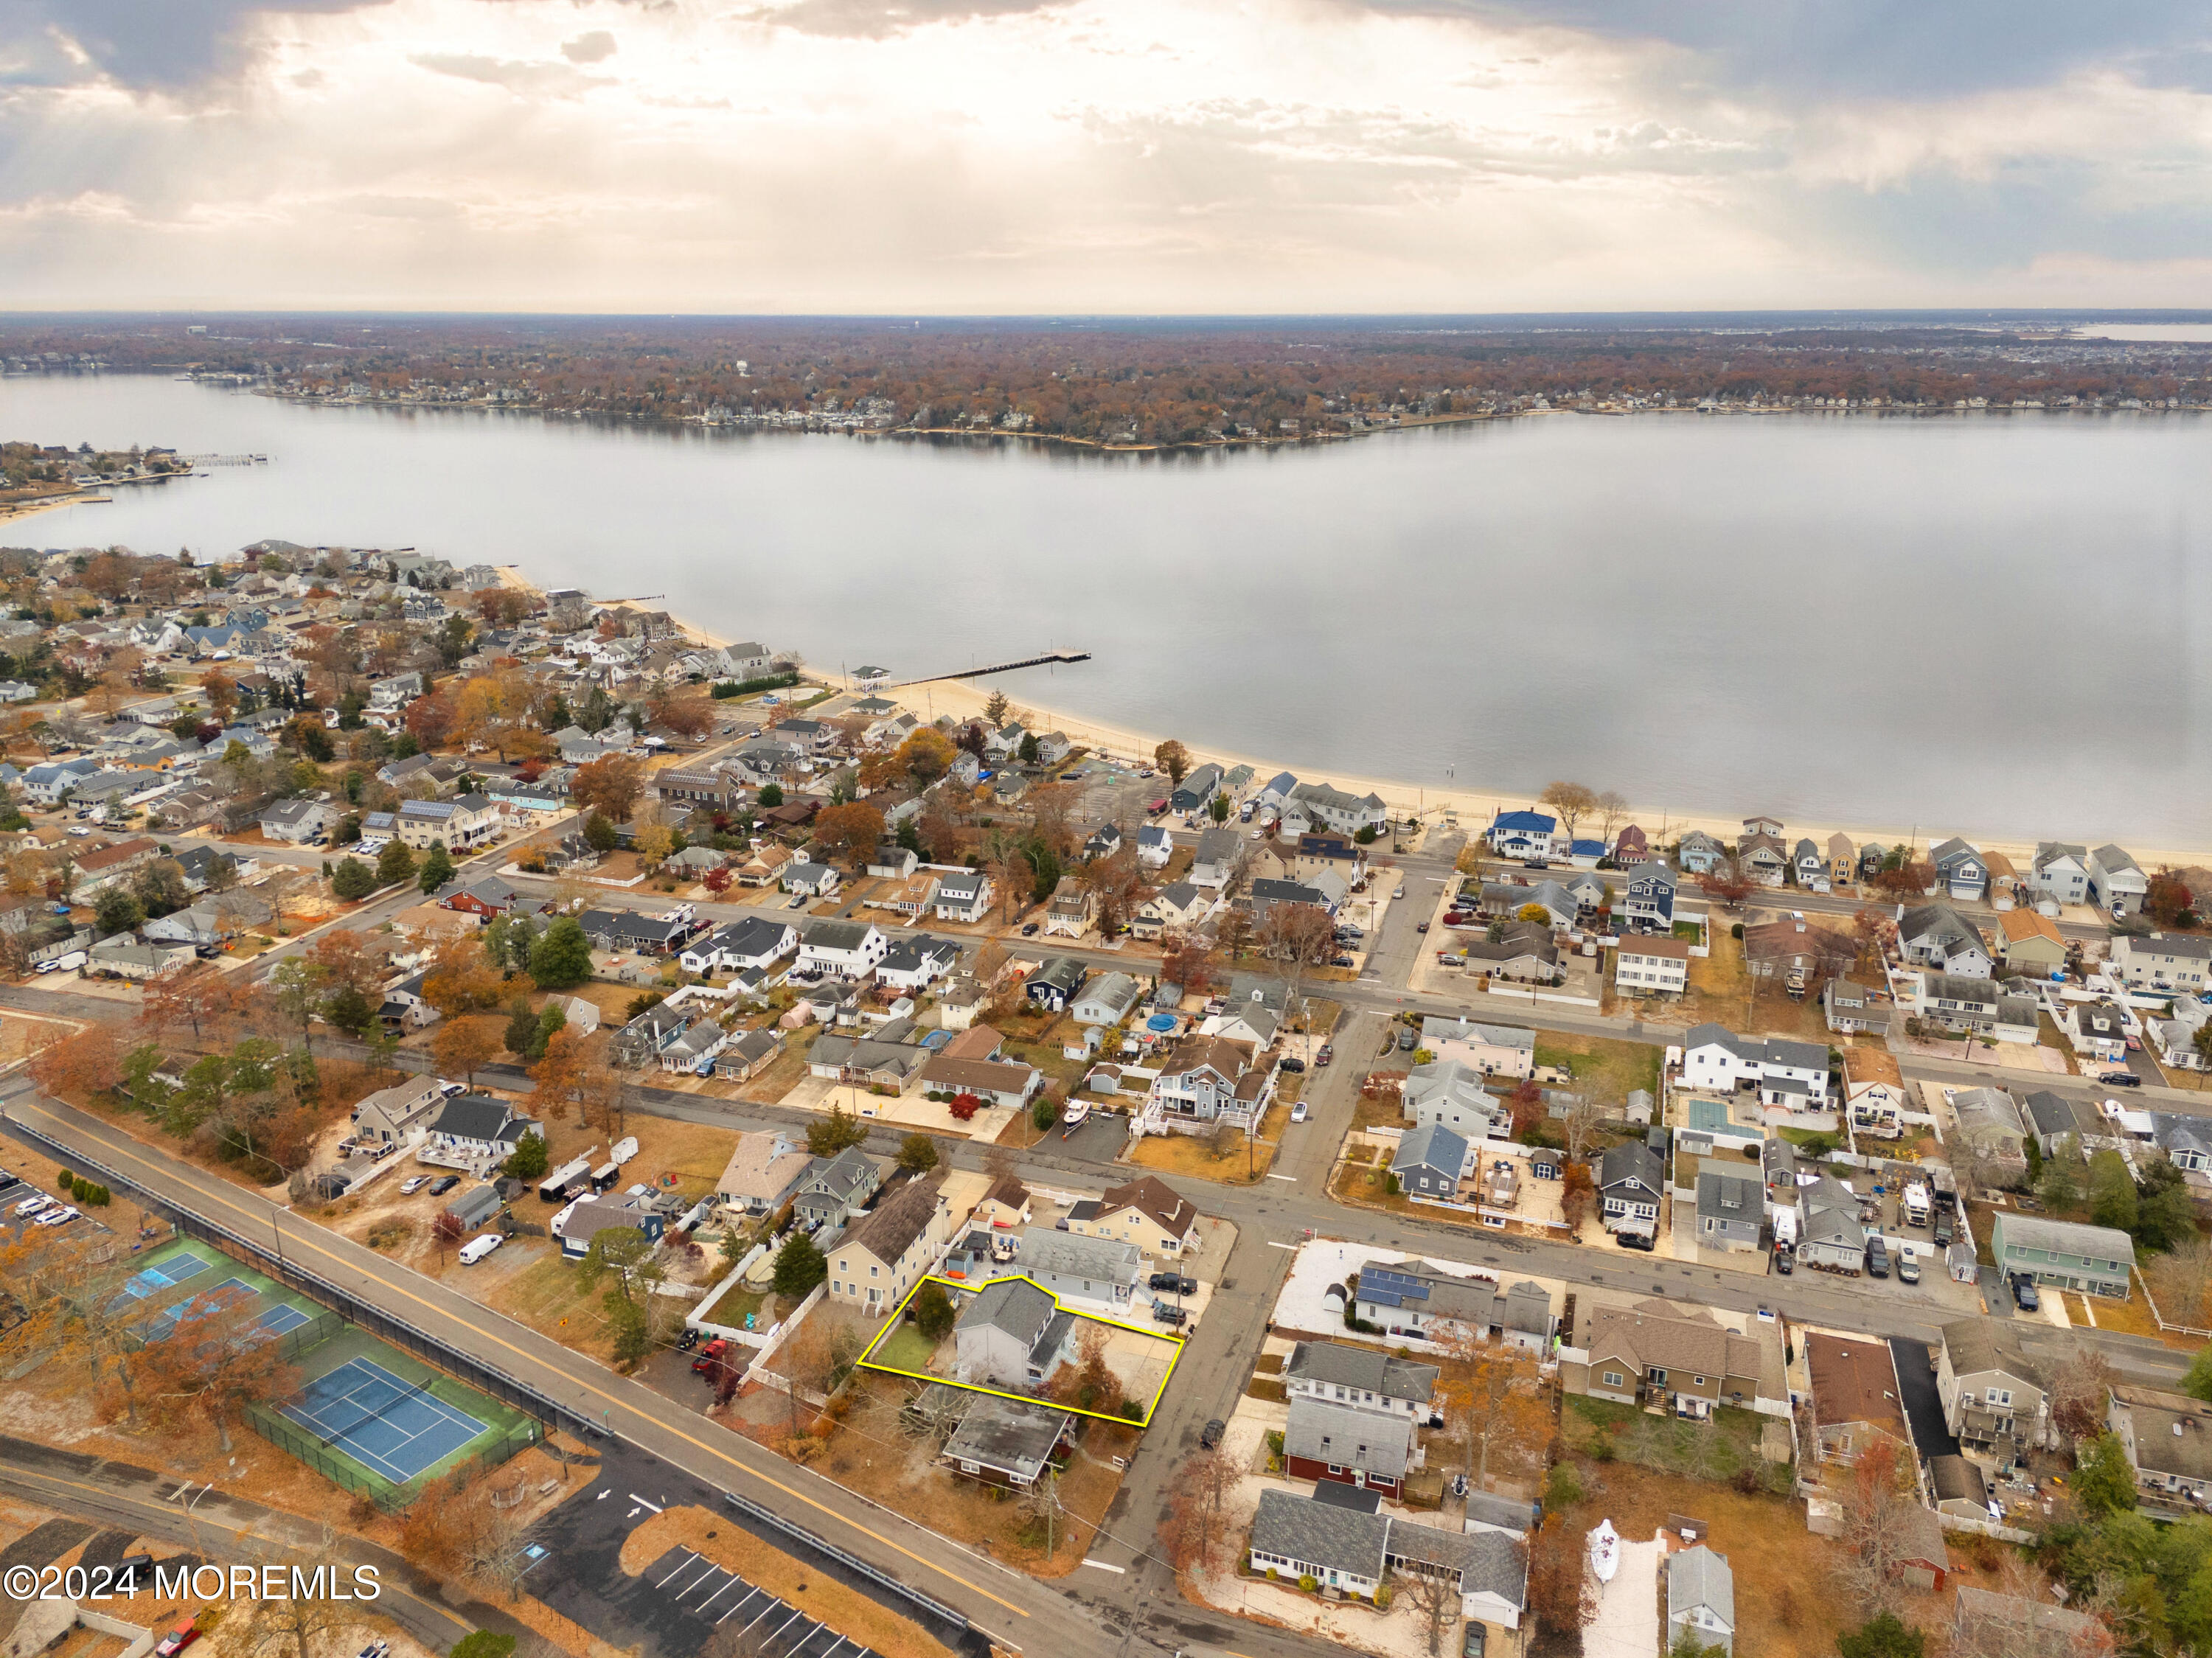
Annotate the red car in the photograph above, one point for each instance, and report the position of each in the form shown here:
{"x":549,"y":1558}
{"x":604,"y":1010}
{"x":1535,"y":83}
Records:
{"x":178,"y":1639}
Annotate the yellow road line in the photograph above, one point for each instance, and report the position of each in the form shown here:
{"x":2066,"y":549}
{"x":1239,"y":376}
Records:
{"x":698,"y":1444}
{"x":140,"y":1502}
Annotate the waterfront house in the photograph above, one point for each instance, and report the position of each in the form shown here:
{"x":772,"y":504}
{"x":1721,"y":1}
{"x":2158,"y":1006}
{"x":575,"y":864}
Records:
{"x":1528,"y":836}
{"x":1700,"y":853}
{"x":1808,"y":866}
{"x":2060,"y":871}
{"x":1843,"y":860}
{"x":2115,"y":882}
{"x":1959,"y":871}
{"x":1197,"y":790}
{"x":1763,"y":859}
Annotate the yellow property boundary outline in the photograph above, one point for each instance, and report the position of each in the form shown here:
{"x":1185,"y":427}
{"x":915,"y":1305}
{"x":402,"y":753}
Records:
{"x":891,"y":1324}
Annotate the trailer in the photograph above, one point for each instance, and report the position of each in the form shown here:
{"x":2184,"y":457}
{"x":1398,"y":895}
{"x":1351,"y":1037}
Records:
{"x":555,"y":1186}
{"x":605,"y":1175}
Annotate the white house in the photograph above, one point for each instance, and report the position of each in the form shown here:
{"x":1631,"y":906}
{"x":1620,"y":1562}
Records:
{"x":1717,"y":1060}
{"x":962,"y":895}
{"x":1651,"y":967}
{"x":850,"y":949}
{"x":2117,"y":882}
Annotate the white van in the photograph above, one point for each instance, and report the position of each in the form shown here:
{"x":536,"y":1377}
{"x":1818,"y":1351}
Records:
{"x":476,"y":1249}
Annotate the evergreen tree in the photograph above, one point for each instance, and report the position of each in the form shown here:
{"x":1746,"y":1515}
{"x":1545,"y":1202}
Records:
{"x":394,"y":864}
{"x":437,"y":868}
{"x":561,"y":959}
{"x":351,"y":880}
{"x":521,"y":1027}
{"x":800,"y":1266}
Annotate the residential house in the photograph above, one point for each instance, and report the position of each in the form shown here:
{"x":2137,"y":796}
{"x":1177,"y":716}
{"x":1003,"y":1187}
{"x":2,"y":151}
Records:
{"x":1831,"y":1235}
{"x":464,"y":823}
{"x":1700,"y":853}
{"x":1700,"y":1599}
{"x":962,"y":895}
{"x":2168,"y":1440}
{"x":1731,"y":1208}
{"x":1808,"y":866}
{"x":1851,"y":1006}
{"x":1843,"y":860}
{"x":1673,"y":1355}
{"x":1346,"y":1446}
{"x":1100,"y":1272}
{"x":890,"y":1250}
{"x":2060,"y":871}
{"x":2098,"y":1029}
{"x":299,"y":821}
{"x":833,"y":1191}
{"x":1177,"y":907}
{"x":1630,"y":848}
{"x":579,"y":1223}
{"x":1854,"y":1398}
{"x":891,"y":1060}
{"x":1647,"y":903}
{"x":1146,"y":1211}
{"x":1986,"y":1621}
{"x":1335,"y":809}
{"x":890,"y":861}
{"x":1056,"y":983}
{"x":1993,"y":1390}
{"x":765,"y":867}
{"x":1526,"y":836}
{"x":2094,"y":1260}
{"x":1961,"y":1003}
{"x":1796,"y":955}
{"x":754,"y":942}
{"x":916,"y":962}
{"x":125,"y":958}
{"x":1219,"y":855}
{"x":1494,"y":1050}
{"x":1197,"y":790}
{"x":473,"y":1131}
{"x":2117,"y":882}
{"x":1510,"y":899}
{"x":1523,"y":950}
{"x":1009,"y":1334}
{"x":1651,"y":967}
{"x":1073,"y":909}
{"x":749,"y":1054}
{"x":994,"y":1081}
{"x":1937,"y":936}
{"x":1960,"y":870}
{"x":2028,"y":942}
{"x":679,"y":1040}
{"x":1763,"y":859}
{"x":848,"y":949}
{"x":1630,"y":1177}
{"x":1005,"y":1442}
{"x":1200,"y":1081}
{"x":1782,"y":1072}
{"x":1432,"y":1161}
{"x":1449,"y":1093}
{"x":2051,"y":1118}
{"x":1360,"y":1376}
{"x":1874,"y":1099}
{"x":1413,"y":1298}
{"x":2162,"y":961}
{"x":629,"y":931}
{"x":1771,"y":827}
{"x":1957,"y":1488}
{"x":486,"y":895}
{"x":399,"y":1116}
{"x":804,"y":877}
{"x":764,"y":1172}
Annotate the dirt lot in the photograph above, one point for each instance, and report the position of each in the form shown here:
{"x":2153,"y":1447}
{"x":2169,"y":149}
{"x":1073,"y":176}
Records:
{"x":1719,"y":986}
{"x":1192,"y":1156}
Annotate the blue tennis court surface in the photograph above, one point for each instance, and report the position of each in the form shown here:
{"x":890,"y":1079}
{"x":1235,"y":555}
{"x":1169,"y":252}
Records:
{"x":277,"y":1319}
{"x":170,"y":1272}
{"x":207,"y":1301}
{"x":387,"y":1425}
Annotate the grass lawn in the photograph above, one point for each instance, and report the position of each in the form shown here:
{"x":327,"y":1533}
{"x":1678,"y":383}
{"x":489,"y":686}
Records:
{"x":1612,"y":1068}
{"x":730,"y":1311}
{"x":784,"y":1071}
{"x":1714,"y":1450}
{"x":1192,"y":1157}
{"x":904,"y":1349}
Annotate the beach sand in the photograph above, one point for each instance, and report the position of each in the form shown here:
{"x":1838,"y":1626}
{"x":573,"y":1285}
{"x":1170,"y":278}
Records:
{"x":963,"y":699}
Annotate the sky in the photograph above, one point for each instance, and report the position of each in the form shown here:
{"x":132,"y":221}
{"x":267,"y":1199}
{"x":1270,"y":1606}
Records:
{"x":1147,"y":156}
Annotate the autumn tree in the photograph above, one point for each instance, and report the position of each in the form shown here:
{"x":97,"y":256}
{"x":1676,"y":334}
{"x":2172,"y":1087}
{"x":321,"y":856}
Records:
{"x":1869,"y":928}
{"x":215,"y":1360}
{"x":1174,"y":759}
{"x":609,"y":785}
{"x":350,"y":960}
{"x":462,"y":1048}
{"x":926,"y":756}
{"x":1561,"y":1592}
{"x":573,"y":1075}
{"x":1908,"y":879}
{"x":1297,"y":937}
{"x":851,"y":831}
{"x":1577,"y":1194}
{"x":2080,"y":1393}
{"x":1570,"y":802}
{"x":80,"y":1065}
{"x":463,"y":978}
{"x":203,"y":998}
{"x":1727,"y":881}
{"x":1493,"y":1399}
{"x":1118,"y":882}
{"x":1187,"y":959}
{"x":1879,"y":1513}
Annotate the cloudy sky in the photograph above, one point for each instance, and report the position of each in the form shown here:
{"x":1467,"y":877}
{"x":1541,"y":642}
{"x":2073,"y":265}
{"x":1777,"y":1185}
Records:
{"x":1129,"y":155}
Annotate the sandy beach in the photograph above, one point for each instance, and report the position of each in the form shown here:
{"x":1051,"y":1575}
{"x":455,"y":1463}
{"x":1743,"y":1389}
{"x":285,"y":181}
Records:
{"x":963,"y":699}
{"x":29,"y":508}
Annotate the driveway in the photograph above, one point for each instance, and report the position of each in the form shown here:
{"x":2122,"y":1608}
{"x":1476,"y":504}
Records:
{"x":1627,"y":1624}
{"x":1924,"y":1406}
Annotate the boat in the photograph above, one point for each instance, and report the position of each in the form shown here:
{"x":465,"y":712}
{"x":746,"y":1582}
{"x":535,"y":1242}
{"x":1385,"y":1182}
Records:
{"x":1075,"y":1114}
{"x":1605,"y":1551}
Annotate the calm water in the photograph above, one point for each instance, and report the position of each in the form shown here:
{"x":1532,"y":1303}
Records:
{"x":1989,"y":626}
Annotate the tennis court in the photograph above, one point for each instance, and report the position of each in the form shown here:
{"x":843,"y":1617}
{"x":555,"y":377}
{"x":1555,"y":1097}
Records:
{"x":232,"y":1292}
{"x":164,"y":1275}
{"x":391,"y":1426}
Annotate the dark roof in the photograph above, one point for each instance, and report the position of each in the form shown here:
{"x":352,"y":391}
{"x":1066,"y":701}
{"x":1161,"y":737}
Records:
{"x":1359,"y":1499}
{"x":475,"y":1117}
{"x":889,"y":1230}
{"x":1298,"y":1528}
{"x":1335,"y":1363}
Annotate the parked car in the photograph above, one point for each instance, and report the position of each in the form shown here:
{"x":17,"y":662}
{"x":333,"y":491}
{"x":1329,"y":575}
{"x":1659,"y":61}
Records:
{"x":1297,"y":1111}
{"x":1326,"y":1054}
{"x":2121,"y":1080}
{"x":1636,"y":1241}
{"x":178,"y":1639}
{"x":1405,"y":1040}
{"x":2023,"y":1293}
{"x":1341,"y":961}
{"x":1400,"y":893}
{"x":1943,"y":1231}
{"x":1162,"y":1280}
{"x":1029,"y":931}
{"x":1477,"y":1633}
{"x":408,"y":1188}
{"x":477,"y":1247}
{"x":1293,"y":1064}
{"x":1785,"y":1259}
{"x":1212,"y":1435}
{"x":1908,"y":1266}
{"x":1877,"y":1258}
{"x":1164,"y":1314}
{"x":444,"y":1184}
{"x":1423,"y":926}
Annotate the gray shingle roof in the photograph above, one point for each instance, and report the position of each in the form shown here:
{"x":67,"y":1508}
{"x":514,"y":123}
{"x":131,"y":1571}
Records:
{"x":1366,"y":1440}
{"x":1333,"y":1365}
{"x":1294,"y":1527}
{"x":1698,"y":1577}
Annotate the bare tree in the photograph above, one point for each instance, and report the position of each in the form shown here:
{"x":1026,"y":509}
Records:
{"x":1581,"y":1122}
{"x":1611,"y":807}
{"x":1298,"y":937}
{"x":1878,"y":1508}
{"x":2080,"y":1393}
{"x":294,"y":1623}
{"x":1572,"y":801}
{"x":1436,"y":1598}
{"x":932,"y":1413}
{"x":1040,"y":1506}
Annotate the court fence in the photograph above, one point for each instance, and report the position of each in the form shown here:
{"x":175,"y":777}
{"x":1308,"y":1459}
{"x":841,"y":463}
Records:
{"x":294,"y":1441}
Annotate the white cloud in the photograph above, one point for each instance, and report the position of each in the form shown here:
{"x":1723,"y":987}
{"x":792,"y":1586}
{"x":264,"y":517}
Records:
{"x":1070,"y":155}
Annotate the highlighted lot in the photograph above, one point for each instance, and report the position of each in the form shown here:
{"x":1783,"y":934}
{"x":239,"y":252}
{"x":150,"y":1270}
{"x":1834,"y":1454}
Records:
{"x":1143,"y":1360}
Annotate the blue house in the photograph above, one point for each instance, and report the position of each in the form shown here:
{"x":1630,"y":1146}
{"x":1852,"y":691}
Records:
{"x":586,"y":1218}
{"x":1522,"y":835}
{"x":1429,"y":1162}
